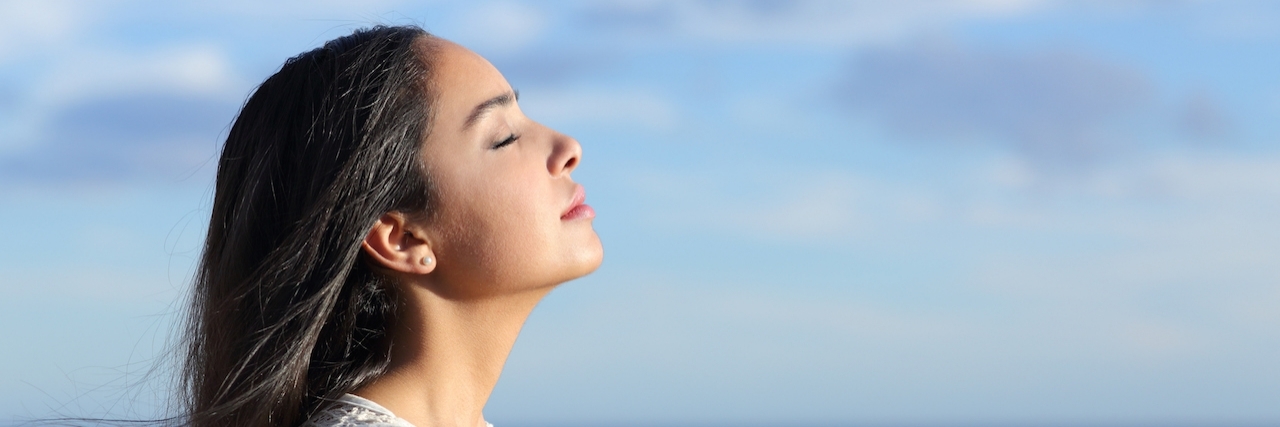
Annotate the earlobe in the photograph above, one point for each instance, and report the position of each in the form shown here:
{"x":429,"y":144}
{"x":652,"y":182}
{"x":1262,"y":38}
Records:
{"x":392,"y":245}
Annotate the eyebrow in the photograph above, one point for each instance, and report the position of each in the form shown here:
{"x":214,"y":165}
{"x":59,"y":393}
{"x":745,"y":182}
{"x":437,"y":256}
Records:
{"x":484,"y":107}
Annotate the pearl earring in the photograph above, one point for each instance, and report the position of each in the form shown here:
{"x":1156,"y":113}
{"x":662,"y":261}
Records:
{"x":426,"y":260}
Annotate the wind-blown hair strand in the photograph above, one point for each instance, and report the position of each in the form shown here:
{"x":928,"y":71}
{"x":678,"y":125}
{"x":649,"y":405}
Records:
{"x":285,"y":313}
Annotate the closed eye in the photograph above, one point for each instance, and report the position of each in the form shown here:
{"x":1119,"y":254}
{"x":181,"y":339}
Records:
{"x":506,"y":142}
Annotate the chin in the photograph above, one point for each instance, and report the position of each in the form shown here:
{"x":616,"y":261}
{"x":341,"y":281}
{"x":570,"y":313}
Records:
{"x":586,"y":259}
{"x":571,"y":263}
{"x":592,"y":260}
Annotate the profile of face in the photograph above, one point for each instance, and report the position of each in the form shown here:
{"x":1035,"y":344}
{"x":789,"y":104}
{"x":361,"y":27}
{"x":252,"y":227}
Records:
{"x":508,"y":215}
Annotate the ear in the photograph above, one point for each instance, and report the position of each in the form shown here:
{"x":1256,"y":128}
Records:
{"x":393,"y":244}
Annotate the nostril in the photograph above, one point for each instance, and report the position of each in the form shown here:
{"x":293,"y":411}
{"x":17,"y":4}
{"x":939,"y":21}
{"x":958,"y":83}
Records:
{"x":565,"y":154}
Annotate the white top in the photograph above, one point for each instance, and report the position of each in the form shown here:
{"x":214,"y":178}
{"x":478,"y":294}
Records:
{"x":355,"y":411}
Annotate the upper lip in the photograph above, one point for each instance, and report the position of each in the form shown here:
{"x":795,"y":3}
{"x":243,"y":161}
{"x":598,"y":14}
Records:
{"x":579,"y":196}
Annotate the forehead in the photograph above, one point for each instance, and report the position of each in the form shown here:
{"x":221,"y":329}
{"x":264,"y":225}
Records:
{"x":462,"y":80}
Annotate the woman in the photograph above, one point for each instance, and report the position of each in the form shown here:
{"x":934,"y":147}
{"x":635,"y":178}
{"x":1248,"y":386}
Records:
{"x":385,"y":219}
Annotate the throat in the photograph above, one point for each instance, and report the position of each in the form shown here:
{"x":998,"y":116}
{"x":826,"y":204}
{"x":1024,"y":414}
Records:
{"x":447,"y":356}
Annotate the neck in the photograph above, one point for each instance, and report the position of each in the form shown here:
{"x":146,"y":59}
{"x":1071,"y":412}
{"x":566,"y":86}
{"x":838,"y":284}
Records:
{"x":448,"y":355}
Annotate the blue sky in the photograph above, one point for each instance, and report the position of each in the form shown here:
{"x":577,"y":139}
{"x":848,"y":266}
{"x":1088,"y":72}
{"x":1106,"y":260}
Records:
{"x":1000,"y":211}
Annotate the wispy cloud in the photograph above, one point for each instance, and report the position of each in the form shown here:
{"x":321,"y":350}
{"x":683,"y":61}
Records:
{"x":1202,"y":118}
{"x":802,"y":207}
{"x":27,"y":27}
{"x":91,"y":111}
{"x":1054,"y":107}
{"x":166,"y":137}
{"x":499,"y":27}
{"x":555,"y":67}
{"x":809,"y":22}
{"x":608,"y":106}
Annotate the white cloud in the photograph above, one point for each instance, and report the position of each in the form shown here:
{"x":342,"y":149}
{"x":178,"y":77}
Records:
{"x":741,"y":342}
{"x":1163,"y":258}
{"x":801,"y":207}
{"x":189,"y":69}
{"x":498,"y":27}
{"x":1205,"y":177}
{"x":1213,"y":177}
{"x":842,"y":354}
{"x":1012,"y":173}
{"x":1172,"y":254}
{"x":634,"y":107}
{"x":809,"y":210}
{"x":71,"y":52}
{"x":815,"y":22}
{"x":28,"y":27}
{"x":1240,"y":20}
{"x":295,"y":8}
{"x":1056,"y":108}
{"x":81,"y":74}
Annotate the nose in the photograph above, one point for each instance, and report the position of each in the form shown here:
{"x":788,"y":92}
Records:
{"x":566,"y":153}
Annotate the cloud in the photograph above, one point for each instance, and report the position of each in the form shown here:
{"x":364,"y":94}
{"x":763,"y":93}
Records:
{"x":554,"y":67}
{"x":1238,"y":20}
{"x":147,"y":136}
{"x":1202,"y":118}
{"x":812,"y":22}
{"x":499,"y":27}
{"x":188,"y":68}
{"x":83,"y":75}
{"x":26,"y":27}
{"x":629,"y":107}
{"x":788,"y":207}
{"x":682,"y":340}
{"x":1188,"y":236}
{"x":1200,"y":177}
{"x":1212,"y":179}
{"x":90,"y":113}
{"x":850,"y":355}
{"x":288,"y":9}
{"x":1053,"y":107}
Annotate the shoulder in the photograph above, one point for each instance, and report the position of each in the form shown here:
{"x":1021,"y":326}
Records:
{"x":355,"y":411}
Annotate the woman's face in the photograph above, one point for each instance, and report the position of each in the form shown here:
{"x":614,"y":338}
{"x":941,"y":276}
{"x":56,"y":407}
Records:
{"x":508,"y":216}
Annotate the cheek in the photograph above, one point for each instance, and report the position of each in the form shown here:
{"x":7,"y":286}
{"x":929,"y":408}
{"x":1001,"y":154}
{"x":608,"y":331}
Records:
{"x":499,"y":235}
{"x":514,"y":226}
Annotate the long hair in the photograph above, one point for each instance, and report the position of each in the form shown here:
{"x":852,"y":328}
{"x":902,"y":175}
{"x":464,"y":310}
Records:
{"x":286,"y":313}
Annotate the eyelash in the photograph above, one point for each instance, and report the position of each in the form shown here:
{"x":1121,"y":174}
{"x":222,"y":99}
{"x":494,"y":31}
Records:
{"x":506,"y":142}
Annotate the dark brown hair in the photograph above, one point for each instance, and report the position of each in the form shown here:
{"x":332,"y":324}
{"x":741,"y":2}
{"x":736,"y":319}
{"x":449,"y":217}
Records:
{"x":286,"y":315}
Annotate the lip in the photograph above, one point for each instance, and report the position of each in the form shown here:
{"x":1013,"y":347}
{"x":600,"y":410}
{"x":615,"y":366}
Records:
{"x":578,"y":209}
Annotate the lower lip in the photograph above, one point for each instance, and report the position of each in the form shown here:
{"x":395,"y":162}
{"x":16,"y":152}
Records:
{"x":582,"y":211}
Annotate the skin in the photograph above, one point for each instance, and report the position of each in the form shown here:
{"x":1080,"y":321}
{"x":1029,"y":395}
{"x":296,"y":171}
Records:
{"x":496,"y":241}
